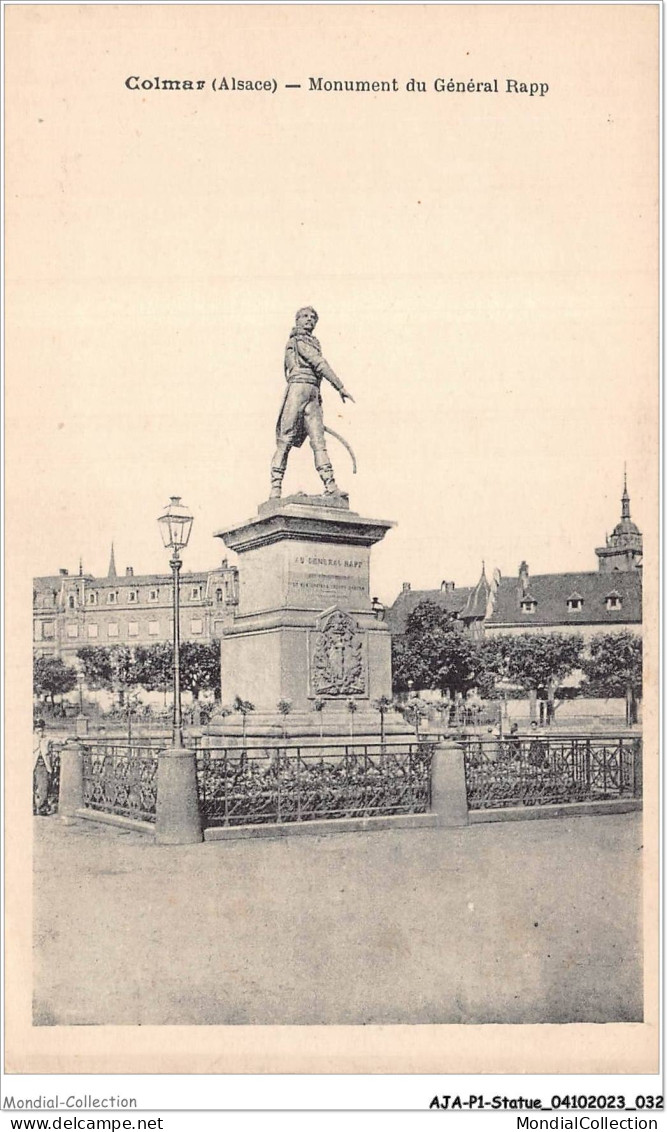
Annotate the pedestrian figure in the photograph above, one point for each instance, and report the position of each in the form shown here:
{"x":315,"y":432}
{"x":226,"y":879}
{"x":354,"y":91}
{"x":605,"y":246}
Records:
{"x":42,"y":769}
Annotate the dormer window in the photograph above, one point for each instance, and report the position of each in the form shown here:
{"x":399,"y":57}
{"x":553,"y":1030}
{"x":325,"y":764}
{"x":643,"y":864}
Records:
{"x":133,"y":596}
{"x":195,"y":593}
{"x":613,"y":601}
{"x":575,"y":602}
{"x":528,"y":605}
{"x":111,"y":598}
{"x":92,"y":598}
{"x":154,"y":595}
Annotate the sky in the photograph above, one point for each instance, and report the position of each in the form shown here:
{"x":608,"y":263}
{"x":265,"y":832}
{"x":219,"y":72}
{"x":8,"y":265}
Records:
{"x":484,"y":266}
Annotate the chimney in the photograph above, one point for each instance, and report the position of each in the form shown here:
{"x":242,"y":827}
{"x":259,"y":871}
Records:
{"x":223,"y":564}
{"x":129,"y":571}
{"x":406,"y":587}
{"x":63,"y":572}
{"x":523,"y":576}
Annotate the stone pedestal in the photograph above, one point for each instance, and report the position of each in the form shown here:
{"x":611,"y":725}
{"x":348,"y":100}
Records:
{"x":305,"y":630}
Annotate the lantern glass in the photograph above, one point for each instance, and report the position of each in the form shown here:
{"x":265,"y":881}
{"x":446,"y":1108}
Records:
{"x":175,"y":524}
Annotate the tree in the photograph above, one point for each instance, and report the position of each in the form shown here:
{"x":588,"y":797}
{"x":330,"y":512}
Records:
{"x":613,"y":667}
{"x":539,"y":662}
{"x":319,"y":706}
{"x":435,"y":653}
{"x":113,"y":669}
{"x":200,"y":668}
{"x":382,"y":706}
{"x":414,"y":711}
{"x":352,"y":707}
{"x":284,"y":707}
{"x":244,"y":707}
{"x":155,"y":666}
{"x":51,"y":676}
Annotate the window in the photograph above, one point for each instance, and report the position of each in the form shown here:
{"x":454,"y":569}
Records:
{"x":196,"y":627}
{"x":153,"y":628}
{"x":93,"y":630}
{"x":112,"y":629}
{"x":195,"y":593}
{"x":49,"y":630}
{"x":111,"y":598}
{"x":218,"y":595}
{"x":613,"y":601}
{"x":92,"y":598}
{"x":154,"y":595}
{"x":72,"y":630}
{"x":70,"y":601}
{"x":575,"y":603}
{"x":528,"y":605}
{"x":133,"y":595}
{"x":133,"y":629}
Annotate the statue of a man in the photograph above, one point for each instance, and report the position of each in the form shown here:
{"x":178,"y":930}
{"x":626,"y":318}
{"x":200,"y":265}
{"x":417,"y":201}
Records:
{"x":300,"y":415}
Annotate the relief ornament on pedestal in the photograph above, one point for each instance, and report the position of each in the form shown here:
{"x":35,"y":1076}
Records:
{"x":337,"y":660}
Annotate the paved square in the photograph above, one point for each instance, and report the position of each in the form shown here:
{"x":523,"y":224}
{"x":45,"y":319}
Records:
{"x":512,"y":922}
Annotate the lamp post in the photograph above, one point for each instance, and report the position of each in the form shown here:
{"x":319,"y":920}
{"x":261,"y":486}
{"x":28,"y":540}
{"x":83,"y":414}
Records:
{"x":177,"y":819}
{"x":81,"y":724}
{"x":175,"y":526}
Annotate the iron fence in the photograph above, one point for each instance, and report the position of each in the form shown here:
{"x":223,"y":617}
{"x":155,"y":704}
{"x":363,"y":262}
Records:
{"x":259,"y":785}
{"x":539,"y":771}
{"x":120,"y":779}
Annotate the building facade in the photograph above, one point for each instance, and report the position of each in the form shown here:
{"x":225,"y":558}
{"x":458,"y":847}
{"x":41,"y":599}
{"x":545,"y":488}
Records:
{"x":71,"y":611}
{"x":587,"y":602}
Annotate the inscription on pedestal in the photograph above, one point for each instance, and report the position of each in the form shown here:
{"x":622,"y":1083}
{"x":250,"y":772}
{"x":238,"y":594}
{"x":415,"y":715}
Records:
{"x":321,"y":578}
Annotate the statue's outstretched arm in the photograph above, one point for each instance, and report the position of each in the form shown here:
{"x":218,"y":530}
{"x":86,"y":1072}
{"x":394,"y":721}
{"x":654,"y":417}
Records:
{"x":321,"y":367}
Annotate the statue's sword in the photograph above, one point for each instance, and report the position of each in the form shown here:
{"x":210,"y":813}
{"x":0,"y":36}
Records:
{"x":345,"y":445}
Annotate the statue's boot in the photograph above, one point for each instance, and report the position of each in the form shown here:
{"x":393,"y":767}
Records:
{"x":327,"y":476}
{"x":278,"y":465}
{"x":276,"y":483}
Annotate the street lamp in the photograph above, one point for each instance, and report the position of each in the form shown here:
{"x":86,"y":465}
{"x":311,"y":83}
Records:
{"x":175,"y":526}
{"x":177,"y":818}
{"x":81,"y":724}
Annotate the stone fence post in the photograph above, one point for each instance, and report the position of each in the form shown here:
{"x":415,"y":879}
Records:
{"x":449,"y":800}
{"x":70,"y":793}
{"x":177,"y":819}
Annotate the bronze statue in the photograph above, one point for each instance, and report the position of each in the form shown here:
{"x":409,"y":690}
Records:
{"x":300,"y":414}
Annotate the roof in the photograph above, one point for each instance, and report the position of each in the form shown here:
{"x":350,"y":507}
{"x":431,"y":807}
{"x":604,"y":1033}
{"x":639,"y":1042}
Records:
{"x":130,"y":580}
{"x":478,"y":600}
{"x":452,"y":600}
{"x":626,"y":527}
{"x":551,"y":592}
